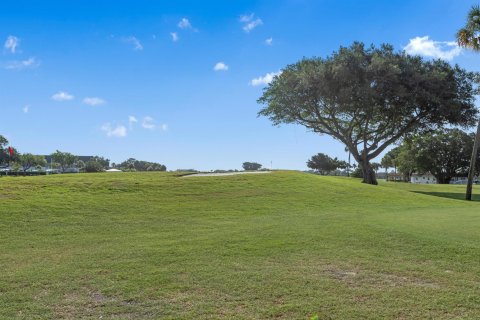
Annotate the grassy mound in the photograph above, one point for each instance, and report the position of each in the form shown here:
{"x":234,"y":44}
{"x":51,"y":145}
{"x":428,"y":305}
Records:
{"x":281,"y":245}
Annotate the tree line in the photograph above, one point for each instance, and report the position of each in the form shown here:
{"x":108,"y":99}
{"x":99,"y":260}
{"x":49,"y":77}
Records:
{"x":63,"y":161}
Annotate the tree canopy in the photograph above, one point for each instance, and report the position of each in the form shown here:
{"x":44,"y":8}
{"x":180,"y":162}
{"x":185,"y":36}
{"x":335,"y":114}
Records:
{"x":253,"y":166}
{"x":324,"y":164}
{"x":63,"y":159}
{"x":28,"y":160}
{"x":139,"y":165}
{"x":370,"y":97}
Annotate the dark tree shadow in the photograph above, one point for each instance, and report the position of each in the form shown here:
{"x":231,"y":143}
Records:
{"x":450,"y":195}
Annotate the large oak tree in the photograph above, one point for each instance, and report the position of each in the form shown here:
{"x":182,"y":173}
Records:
{"x":370,"y":97}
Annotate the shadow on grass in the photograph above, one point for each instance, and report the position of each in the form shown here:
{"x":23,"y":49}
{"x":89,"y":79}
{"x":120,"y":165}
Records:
{"x":450,"y":195}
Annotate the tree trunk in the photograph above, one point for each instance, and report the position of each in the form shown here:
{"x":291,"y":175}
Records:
{"x":471,"y":171}
{"x":368,"y":173}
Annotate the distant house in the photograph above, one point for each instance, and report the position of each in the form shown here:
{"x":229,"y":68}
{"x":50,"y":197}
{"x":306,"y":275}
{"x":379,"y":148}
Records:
{"x":426,"y":178}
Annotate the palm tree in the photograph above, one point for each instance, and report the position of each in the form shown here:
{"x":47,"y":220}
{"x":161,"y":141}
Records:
{"x":469,"y":37}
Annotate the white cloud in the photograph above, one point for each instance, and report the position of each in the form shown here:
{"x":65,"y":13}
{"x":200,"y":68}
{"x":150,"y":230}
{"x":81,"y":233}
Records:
{"x":220,"y":66}
{"x":247,"y":17}
{"x":266,"y":79}
{"x":175,"y":37}
{"x":249,"y":22}
{"x":118,"y":131}
{"x":93,"y":101}
{"x":137,"y":46}
{"x":424,"y":46}
{"x":26,"y":108}
{"x":184,"y":24}
{"x":62,"y":96}
{"x":132,"y":120}
{"x":164,"y":127}
{"x":147,"y":123}
{"x":269,"y":41}
{"x":12,"y":43}
{"x":22,"y":64}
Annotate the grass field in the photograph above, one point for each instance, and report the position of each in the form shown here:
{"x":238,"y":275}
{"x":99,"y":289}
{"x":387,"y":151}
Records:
{"x":284,"y":245}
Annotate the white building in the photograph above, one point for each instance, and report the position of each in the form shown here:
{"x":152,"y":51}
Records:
{"x":426,"y":178}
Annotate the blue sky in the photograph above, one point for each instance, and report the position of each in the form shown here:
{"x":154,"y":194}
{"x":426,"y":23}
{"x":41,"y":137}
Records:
{"x":176,"y":82}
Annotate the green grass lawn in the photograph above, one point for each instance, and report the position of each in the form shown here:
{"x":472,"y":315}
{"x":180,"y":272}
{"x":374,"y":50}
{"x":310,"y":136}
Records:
{"x":284,"y":245}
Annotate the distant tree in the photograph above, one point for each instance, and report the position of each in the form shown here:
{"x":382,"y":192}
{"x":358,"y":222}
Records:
{"x":322,"y":163}
{"x":15,"y":166}
{"x":370,"y":97}
{"x":3,"y":142}
{"x":63,"y":159}
{"x":80,"y":164}
{"x":340,"y":164}
{"x":468,"y":37}
{"x":251,"y":166}
{"x":94,"y":166}
{"x":105,"y":163}
{"x":132,"y":164}
{"x":357,"y":173}
{"x":390,"y":159}
{"x":28,"y":160}
{"x":406,"y":159}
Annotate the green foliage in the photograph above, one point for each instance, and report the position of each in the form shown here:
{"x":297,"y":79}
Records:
{"x":370,"y":97}
{"x":324,"y":164}
{"x":28,"y":160}
{"x":467,"y":36}
{"x":139,"y":165}
{"x":80,"y":164}
{"x":357,"y":173}
{"x":63,"y":159}
{"x":251,"y":166}
{"x":3,"y":142}
{"x":94,"y":166}
{"x":104,"y":162}
{"x":15,"y":166}
{"x":376,"y":166}
{"x":390,"y":160}
{"x":444,"y":153}
{"x":5,"y":157}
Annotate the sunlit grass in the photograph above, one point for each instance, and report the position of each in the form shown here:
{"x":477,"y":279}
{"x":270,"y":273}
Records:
{"x":280,"y":245}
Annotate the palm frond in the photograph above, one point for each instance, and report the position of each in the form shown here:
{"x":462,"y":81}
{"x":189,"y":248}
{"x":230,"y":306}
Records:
{"x":473,"y":18}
